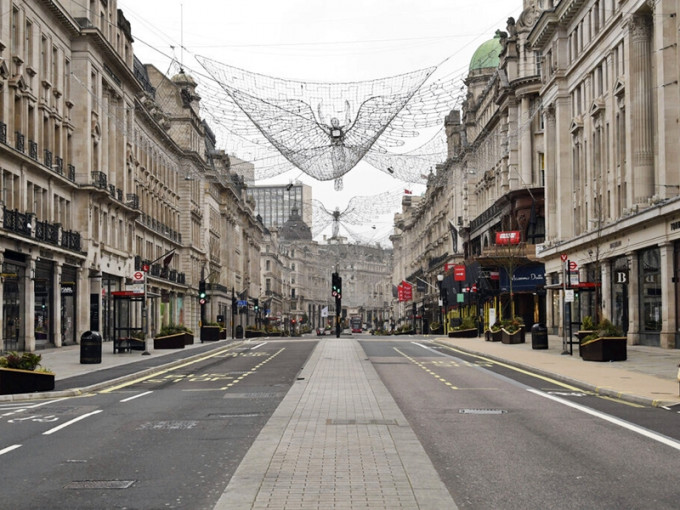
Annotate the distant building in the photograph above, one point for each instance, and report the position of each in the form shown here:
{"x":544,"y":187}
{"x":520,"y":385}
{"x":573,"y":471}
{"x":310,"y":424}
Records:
{"x":275,"y":204}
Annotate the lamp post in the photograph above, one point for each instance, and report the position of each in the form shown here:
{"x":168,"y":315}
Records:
{"x":440,"y":282}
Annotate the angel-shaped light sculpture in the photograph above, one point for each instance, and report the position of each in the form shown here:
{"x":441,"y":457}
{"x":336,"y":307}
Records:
{"x":283,"y":111}
{"x":360,"y":211}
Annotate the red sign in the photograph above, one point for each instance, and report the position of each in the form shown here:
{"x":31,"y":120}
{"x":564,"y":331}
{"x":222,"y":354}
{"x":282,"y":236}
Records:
{"x":563,"y":257}
{"x":449,"y":265}
{"x":511,"y":237}
{"x":573,"y":266}
{"x":145,"y":268}
{"x":459,"y":273}
{"x":407,"y":291}
{"x":400,"y":292}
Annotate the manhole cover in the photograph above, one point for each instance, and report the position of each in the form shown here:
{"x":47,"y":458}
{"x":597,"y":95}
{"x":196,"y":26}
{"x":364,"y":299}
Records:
{"x":482,"y":411}
{"x":100,"y":484}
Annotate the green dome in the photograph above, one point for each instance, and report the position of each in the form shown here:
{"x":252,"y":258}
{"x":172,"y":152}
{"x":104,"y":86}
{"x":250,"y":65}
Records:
{"x":487,"y":55}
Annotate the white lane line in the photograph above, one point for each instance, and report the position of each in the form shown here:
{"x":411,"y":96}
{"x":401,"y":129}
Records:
{"x":9,"y":449}
{"x":257,"y":346}
{"x":429,"y":348}
{"x":611,"y":419}
{"x":136,"y":396}
{"x":74,"y":420}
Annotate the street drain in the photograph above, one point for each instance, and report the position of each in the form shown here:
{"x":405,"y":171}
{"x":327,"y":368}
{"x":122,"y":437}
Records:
{"x":168,"y":425}
{"x":482,"y":411}
{"x":341,"y":421}
{"x":100,"y":484}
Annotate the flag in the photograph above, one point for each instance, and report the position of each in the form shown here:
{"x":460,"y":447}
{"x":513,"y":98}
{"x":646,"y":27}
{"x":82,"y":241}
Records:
{"x":454,"y":236}
{"x":324,"y":311}
{"x":168,"y":258}
{"x":408,"y":192}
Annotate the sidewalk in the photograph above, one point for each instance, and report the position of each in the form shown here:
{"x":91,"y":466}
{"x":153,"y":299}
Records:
{"x":648,"y":376}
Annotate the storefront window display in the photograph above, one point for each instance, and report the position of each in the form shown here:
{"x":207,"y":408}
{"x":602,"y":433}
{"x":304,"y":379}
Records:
{"x":650,"y":294}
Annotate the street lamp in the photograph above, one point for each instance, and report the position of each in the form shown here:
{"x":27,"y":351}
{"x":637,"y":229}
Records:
{"x":440,"y":282}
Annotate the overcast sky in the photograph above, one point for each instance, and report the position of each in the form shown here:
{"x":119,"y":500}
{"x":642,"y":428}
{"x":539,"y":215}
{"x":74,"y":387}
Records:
{"x":320,"y":41}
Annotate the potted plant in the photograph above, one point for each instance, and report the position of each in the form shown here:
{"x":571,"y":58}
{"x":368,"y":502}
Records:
{"x":494,"y":333}
{"x":512,"y":331}
{"x":22,"y":373}
{"x":210,"y":332}
{"x":173,"y":336}
{"x":435,"y":327}
{"x":607,"y":343}
{"x":587,"y":328}
{"x":466,"y":329}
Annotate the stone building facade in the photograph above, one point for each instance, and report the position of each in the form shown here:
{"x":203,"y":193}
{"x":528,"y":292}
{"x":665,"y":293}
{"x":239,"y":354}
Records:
{"x":107,"y":169}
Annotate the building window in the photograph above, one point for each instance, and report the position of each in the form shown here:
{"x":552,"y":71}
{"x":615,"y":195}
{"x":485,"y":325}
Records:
{"x":650,"y":290}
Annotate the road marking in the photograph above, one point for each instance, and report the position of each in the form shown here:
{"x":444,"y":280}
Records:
{"x":74,"y":420}
{"x":516,"y":369}
{"x":252,"y":370}
{"x":9,"y":449}
{"x":257,"y":346}
{"x":171,"y":369}
{"x":136,"y":396}
{"x":418,"y":363}
{"x":611,"y":419}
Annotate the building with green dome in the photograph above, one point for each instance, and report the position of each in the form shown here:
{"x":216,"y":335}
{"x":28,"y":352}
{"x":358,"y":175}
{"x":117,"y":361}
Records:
{"x":487,"y":55}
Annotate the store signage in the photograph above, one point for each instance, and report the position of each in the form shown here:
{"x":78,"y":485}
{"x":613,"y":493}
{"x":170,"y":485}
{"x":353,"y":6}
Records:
{"x":459,"y":273}
{"x":621,"y":277}
{"x":511,"y":237}
{"x":407,"y":291}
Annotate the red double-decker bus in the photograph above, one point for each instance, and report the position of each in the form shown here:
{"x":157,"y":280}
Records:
{"x":355,"y":324}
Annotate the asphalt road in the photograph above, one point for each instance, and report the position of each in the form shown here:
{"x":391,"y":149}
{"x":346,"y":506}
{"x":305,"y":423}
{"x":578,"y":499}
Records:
{"x":502,"y":438}
{"x":172,"y":440}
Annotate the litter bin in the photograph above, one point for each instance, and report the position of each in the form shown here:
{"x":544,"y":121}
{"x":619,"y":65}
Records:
{"x":539,"y":336}
{"x":239,"y":331}
{"x":90,"y":347}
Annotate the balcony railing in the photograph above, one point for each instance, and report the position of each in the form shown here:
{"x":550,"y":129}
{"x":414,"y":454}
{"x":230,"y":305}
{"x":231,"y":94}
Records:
{"x":71,"y":173}
{"x":47,"y":232}
{"x":70,"y":240}
{"x":132,"y":200}
{"x":32,"y":150}
{"x":48,"y":158}
{"x":3,"y":133}
{"x":99,"y":180}
{"x":58,"y":166}
{"x":17,"y":222}
{"x":20,"y":142}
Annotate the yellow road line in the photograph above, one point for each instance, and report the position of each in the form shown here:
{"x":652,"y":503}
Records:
{"x":418,"y":363}
{"x":171,"y":369}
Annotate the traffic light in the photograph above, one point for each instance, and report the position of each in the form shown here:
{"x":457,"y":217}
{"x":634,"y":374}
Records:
{"x":201,"y":292}
{"x":234,"y":304}
{"x":256,"y":304}
{"x":339,"y":287}
{"x":335,"y":284}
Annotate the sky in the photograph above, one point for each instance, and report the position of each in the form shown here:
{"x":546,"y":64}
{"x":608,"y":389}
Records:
{"x":319,"y":41}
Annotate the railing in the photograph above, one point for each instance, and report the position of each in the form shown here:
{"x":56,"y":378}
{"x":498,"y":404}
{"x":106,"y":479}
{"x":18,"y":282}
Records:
{"x":181,"y":278}
{"x":70,"y":240}
{"x":132,"y":200}
{"x":99,"y":180}
{"x":47,"y":232}
{"x":58,"y":165}
{"x":156,"y":270}
{"x":3,"y":132}
{"x":112,"y":190}
{"x":48,"y":158}
{"x":71,"y":173}
{"x":20,"y":142}
{"x":17,"y":222}
{"x":32,"y":150}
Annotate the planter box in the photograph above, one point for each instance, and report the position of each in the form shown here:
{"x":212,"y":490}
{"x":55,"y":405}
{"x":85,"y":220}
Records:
{"x":223,"y":334}
{"x":513,"y":338}
{"x":176,"y":341}
{"x":255,"y":334}
{"x":24,"y":381}
{"x":493,"y":336}
{"x":463,"y":333}
{"x":605,"y":348}
{"x":210,"y":333}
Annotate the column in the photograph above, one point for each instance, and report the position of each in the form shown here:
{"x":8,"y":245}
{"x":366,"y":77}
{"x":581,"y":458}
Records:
{"x":668,"y":318}
{"x":551,"y":173}
{"x":2,"y":300}
{"x":525,"y":140}
{"x":56,"y":304}
{"x":641,"y":109}
{"x":82,"y":303}
{"x":633,"y":299}
{"x":28,"y":312}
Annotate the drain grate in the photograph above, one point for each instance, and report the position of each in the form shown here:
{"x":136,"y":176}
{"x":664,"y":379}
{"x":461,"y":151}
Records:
{"x":341,"y":421}
{"x":482,"y":411}
{"x":100,"y":484}
{"x":168,"y":425}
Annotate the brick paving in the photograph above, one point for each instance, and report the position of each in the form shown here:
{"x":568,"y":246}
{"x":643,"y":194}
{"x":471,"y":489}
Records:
{"x":337,"y":441}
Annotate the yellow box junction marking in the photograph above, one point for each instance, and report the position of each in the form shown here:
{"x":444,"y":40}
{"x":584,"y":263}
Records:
{"x":252,"y":370}
{"x":422,"y":365}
